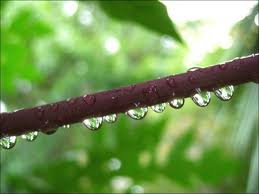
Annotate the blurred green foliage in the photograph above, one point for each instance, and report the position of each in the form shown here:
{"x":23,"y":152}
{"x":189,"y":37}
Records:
{"x":152,"y":15}
{"x":50,"y":53}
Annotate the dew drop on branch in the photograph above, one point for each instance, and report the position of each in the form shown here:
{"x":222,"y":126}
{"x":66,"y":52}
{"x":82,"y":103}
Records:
{"x":30,"y":136}
{"x":89,"y":99}
{"x":177,"y":103}
{"x":8,"y":142}
{"x":201,"y":98}
{"x":138,"y":113}
{"x":66,"y":126}
{"x":224,"y":93}
{"x":93,"y":123}
{"x":158,"y":108}
{"x":50,"y":132}
{"x":110,"y":118}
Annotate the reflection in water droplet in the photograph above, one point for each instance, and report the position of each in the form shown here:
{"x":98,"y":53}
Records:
{"x":137,"y":113}
{"x":193,"y":69}
{"x":93,"y":123}
{"x":158,"y":107}
{"x":224,"y":93}
{"x":110,"y":118}
{"x":66,"y":126}
{"x":30,"y":136}
{"x":8,"y":142}
{"x":177,"y":103}
{"x":201,"y":98}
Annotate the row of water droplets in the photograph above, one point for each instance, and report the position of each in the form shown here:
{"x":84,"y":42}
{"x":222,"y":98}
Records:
{"x":9,"y":142}
{"x":200,"y":98}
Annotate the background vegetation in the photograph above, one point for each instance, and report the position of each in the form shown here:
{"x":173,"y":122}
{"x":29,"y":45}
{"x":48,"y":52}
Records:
{"x":53,"y":50}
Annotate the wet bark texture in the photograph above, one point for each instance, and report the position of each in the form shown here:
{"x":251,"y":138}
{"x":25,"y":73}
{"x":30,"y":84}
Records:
{"x":50,"y":116}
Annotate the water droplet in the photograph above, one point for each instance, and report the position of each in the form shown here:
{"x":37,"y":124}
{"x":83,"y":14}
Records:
{"x":93,"y":123}
{"x":171,"y":82}
{"x":55,"y":107}
{"x":201,"y":98}
{"x":110,"y":118}
{"x":137,"y":113}
{"x":30,"y":136}
{"x":89,"y":99}
{"x":177,"y":103}
{"x":50,"y":132}
{"x":129,"y":89}
{"x":224,"y":93}
{"x":40,"y":113}
{"x":223,"y":66}
{"x":193,"y":69}
{"x":158,"y":107}
{"x":71,"y":101}
{"x":8,"y":142}
{"x":66,"y":126}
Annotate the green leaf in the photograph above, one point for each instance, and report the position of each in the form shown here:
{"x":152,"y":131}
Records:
{"x":150,"y":14}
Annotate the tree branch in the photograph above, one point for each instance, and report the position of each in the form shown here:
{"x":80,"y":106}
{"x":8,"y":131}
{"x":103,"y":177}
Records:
{"x":49,"y":116}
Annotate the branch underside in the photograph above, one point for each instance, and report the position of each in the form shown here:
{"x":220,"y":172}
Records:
{"x":47,"y":117}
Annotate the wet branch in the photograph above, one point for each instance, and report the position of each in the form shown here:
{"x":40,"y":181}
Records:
{"x":50,"y":116}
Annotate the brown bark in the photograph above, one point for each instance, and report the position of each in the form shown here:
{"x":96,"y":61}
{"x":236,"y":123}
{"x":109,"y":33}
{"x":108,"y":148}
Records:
{"x":49,"y":116}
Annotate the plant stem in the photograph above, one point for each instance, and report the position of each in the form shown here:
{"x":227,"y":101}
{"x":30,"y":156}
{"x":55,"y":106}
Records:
{"x":50,"y":116}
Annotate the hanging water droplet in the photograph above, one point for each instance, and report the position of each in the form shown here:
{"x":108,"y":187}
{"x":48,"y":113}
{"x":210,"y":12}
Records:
{"x":50,"y":131}
{"x":66,"y":126}
{"x":30,"y":136}
{"x":224,"y":93}
{"x":137,"y":113}
{"x":158,"y":107}
{"x":201,"y":98}
{"x":110,"y":118}
{"x":8,"y":142}
{"x":177,"y":103}
{"x":93,"y":123}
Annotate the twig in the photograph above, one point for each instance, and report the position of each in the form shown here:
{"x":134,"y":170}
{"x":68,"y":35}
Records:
{"x":49,"y":116}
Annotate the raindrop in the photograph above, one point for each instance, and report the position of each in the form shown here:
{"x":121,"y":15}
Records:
{"x":89,"y":99}
{"x":223,"y":66}
{"x":129,"y":89}
{"x":201,"y":98}
{"x":110,"y":118}
{"x":224,"y":93}
{"x":193,"y":69}
{"x":71,"y":101}
{"x":40,"y":113}
{"x":30,"y":136}
{"x":50,"y":132}
{"x":93,"y":123}
{"x":55,"y":107}
{"x":137,"y":113}
{"x":66,"y":126}
{"x":158,"y":107}
{"x":8,"y":142}
{"x":177,"y":103}
{"x":171,"y":82}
